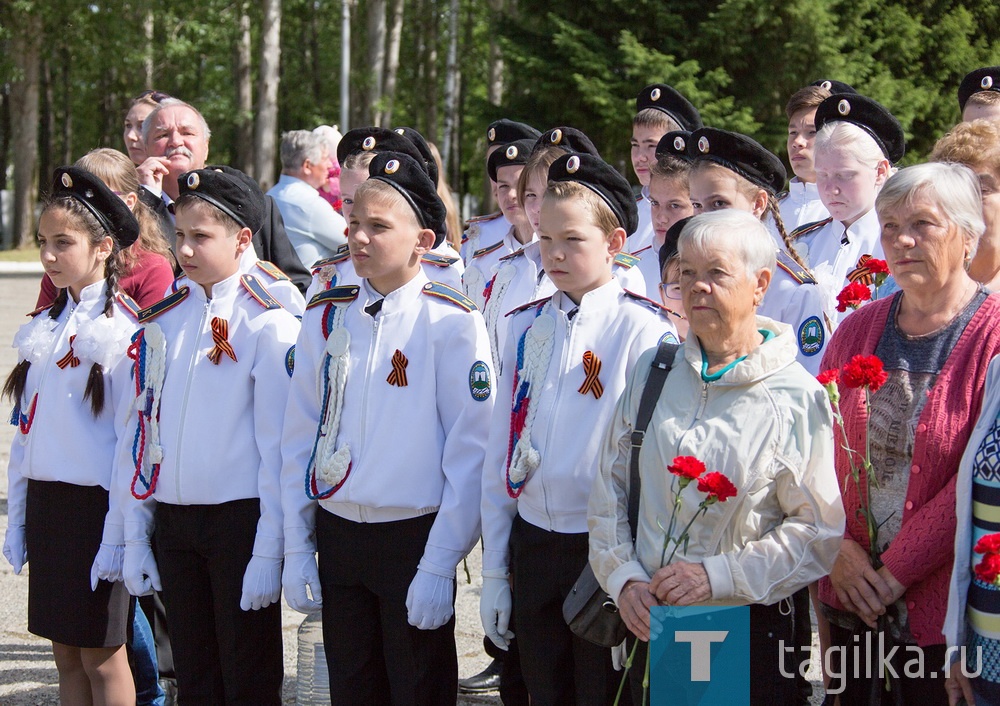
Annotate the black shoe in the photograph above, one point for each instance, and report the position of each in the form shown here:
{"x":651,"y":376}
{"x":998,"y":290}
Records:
{"x":484,"y":682}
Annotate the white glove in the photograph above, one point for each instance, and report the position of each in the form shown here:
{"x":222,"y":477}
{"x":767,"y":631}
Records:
{"x":261,"y":583}
{"x":495,"y":606}
{"x":139,"y":569}
{"x":430,"y":600}
{"x":107,"y":564}
{"x":15,"y":548}
{"x":300,"y":571}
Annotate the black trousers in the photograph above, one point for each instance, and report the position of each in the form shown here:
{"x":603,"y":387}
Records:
{"x":771,"y":628}
{"x":222,"y":654}
{"x":916,"y":690}
{"x":558,"y":667}
{"x":373,"y":654}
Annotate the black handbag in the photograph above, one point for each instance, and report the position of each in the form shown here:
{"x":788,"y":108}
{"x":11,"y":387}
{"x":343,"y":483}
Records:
{"x":588,"y":610}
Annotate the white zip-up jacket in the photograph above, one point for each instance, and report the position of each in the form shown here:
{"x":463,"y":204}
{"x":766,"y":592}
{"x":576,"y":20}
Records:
{"x":58,"y":438}
{"x":616,"y":327}
{"x":414,"y":448}
{"x":219,"y":424}
{"x":767,"y":425}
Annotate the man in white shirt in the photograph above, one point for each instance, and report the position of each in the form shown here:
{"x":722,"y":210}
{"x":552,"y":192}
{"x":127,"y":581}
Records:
{"x":314,"y":228}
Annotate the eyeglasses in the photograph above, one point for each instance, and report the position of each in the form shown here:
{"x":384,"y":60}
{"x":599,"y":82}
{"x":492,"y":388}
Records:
{"x":155,"y":96}
{"x":670,"y":290}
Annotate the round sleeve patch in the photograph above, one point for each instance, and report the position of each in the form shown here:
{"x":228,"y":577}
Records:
{"x":290,"y":361}
{"x":479,"y":381}
{"x":811,"y":336}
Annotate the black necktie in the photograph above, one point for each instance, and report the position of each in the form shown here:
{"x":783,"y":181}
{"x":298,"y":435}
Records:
{"x":573,"y":313}
{"x":374,"y":308}
{"x":845,"y":239}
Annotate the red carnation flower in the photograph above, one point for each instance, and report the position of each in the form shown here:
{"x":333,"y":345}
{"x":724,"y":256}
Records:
{"x":989,"y":568}
{"x":866,"y":372}
{"x":877,"y":267}
{"x":852,"y":296}
{"x":718,"y":487}
{"x":828,"y":376}
{"x":988,"y":544}
{"x":686,"y":467}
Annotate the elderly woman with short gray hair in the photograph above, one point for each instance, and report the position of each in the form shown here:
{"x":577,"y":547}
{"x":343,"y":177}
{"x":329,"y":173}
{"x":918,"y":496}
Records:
{"x":935,"y":339}
{"x":736,"y":400}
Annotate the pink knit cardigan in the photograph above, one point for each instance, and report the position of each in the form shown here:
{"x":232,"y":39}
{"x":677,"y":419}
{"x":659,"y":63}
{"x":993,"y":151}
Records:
{"x":920,"y":557}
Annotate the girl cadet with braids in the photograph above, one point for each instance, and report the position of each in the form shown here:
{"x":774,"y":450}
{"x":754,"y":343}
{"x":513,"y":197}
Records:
{"x":63,"y":388}
{"x":147,"y":267}
{"x":730,"y":170}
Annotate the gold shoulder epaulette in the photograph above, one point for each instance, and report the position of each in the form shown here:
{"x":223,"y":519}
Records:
{"x":443,"y":291}
{"x":164,"y":305}
{"x":335,"y":295}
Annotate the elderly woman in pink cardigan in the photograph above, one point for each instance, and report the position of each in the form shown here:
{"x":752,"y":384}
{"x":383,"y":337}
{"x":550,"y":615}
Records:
{"x":935,"y":338}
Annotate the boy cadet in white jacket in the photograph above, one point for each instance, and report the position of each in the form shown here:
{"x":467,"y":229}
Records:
{"x":566,"y":359}
{"x":391,"y":391}
{"x":198,"y":466}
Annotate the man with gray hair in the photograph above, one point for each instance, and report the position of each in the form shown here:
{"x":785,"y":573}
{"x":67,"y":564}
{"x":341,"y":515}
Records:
{"x":314,"y":228}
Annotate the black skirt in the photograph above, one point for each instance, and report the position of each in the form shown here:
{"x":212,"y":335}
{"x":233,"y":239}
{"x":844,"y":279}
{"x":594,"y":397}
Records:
{"x":63,"y":528}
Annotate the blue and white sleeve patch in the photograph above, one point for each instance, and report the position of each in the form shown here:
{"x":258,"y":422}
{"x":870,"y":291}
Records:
{"x":668,"y":337}
{"x":290,"y":361}
{"x":479,"y":381}
{"x":811,"y":336}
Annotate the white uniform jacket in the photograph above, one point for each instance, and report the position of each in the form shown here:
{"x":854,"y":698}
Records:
{"x":277,"y":282}
{"x":795,"y":298}
{"x":767,"y":425}
{"x":57,"y":437}
{"x":410,"y":417}
{"x":831,"y":259}
{"x":801,"y":205}
{"x":482,"y":232}
{"x":483,"y":264}
{"x":219,"y":423}
{"x":643,"y":235}
{"x":439,"y":265}
{"x":573,"y":396}
{"x":520,"y":279}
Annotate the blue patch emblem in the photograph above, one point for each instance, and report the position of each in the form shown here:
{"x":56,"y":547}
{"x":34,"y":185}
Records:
{"x":290,"y":361}
{"x":479,"y":381}
{"x":668,"y":337}
{"x":811,"y":336}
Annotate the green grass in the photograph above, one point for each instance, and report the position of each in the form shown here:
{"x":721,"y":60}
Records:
{"x":29,"y":254}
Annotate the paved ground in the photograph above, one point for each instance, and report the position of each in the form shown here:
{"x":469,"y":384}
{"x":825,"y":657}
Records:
{"x":27,"y":672}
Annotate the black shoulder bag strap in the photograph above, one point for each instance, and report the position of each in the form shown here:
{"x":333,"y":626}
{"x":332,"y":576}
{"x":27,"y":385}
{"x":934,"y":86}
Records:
{"x":662,"y":362}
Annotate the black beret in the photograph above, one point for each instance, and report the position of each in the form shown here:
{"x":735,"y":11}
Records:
{"x":229,"y":190}
{"x":669,"y":247}
{"x":423,"y":148}
{"x":504,"y":131}
{"x":984,"y":79}
{"x":377,"y":139}
{"x":105,"y":205}
{"x":661,"y":97}
{"x":833,"y":86}
{"x":407,"y":176}
{"x":604,"y":180}
{"x":674,"y":144}
{"x":568,"y":139}
{"x":513,"y":153}
{"x":739,"y":153}
{"x":868,"y":115}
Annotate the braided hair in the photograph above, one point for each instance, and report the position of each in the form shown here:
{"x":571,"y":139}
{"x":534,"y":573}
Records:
{"x":14,"y":385}
{"x":775,"y":211}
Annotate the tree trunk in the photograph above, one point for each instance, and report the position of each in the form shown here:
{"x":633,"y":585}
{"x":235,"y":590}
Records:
{"x":494,"y":85}
{"x":148,"y":25}
{"x":46,"y":126}
{"x":244,"y":95}
{"x":345,"y":65}
{"x":451,"y":87}
{"x":266,"y":129}
{"x":67,"y":111}
{"x":376,"y":58}
{"x":430,"y":69}
{"x":392,"y":59}
{"x":25,"y":44}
